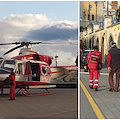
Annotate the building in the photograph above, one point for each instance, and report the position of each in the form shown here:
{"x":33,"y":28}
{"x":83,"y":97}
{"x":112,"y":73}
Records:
{"x":94,"y":11}
{"x":98,"y":19}
{"x":91,"y":12}
{"x":102,"y":37}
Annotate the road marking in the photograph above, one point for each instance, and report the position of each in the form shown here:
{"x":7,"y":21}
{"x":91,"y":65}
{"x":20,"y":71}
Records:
{"x":100,"y":73}
{"x":93,"y":104}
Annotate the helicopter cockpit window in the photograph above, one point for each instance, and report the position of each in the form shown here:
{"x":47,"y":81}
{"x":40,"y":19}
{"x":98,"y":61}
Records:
{"x":4,"y":72}
{"x":19,"y":70}
{"x":9,"y":64}
{"x":44,"y":69}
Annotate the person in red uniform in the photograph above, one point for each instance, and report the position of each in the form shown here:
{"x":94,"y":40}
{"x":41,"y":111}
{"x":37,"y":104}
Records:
{"x":94,"y":64}
{"x":12,"y":84}
{"x":113,"y":60}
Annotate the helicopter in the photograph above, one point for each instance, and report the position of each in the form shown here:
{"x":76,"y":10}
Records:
{"x":32,"y":70}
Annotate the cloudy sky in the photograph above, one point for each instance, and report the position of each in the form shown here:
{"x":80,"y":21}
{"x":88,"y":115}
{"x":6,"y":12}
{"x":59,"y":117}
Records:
{"x":48,"y":21}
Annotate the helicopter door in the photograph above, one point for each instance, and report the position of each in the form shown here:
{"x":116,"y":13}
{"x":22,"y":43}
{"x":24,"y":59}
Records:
{"x":35,"y":71}
{"x":28,"y":71}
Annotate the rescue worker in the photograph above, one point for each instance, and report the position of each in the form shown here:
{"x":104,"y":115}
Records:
{"x":94,"y":64}
{"x":12,"y":84}
{"x":113,"y":60}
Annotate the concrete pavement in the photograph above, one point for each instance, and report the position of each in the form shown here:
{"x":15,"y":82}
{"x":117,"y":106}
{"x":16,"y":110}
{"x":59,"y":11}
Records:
{"x":61,"y":105}
{"x":107,"y":102}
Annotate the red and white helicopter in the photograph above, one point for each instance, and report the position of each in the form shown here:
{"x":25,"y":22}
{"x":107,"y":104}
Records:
{"x":32,"y":70}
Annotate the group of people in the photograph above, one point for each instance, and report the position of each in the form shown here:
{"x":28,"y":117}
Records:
{"x":94,"y":61}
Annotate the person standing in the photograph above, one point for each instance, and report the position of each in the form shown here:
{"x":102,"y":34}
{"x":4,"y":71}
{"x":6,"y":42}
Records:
{"x":12,"y":84}
{"x":94,"y":64}
{"x":113,"y":60}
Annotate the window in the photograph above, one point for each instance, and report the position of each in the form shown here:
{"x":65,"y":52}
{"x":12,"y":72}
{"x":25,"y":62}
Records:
{"x":92,"y":17}
{"x":4,"y":72}
{"x":19,"y":69}
{"x":44,"y":69}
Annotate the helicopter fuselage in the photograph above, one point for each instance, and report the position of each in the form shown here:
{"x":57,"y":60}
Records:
{"x":29,"y":72}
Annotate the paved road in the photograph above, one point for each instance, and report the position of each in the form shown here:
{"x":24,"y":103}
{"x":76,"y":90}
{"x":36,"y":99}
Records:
{"x":107,"y":102}
{"x":61,"y":105}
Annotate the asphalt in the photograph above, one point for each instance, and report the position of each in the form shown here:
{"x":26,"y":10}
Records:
{"x":107,"y":102}
{"x":60,"y":105}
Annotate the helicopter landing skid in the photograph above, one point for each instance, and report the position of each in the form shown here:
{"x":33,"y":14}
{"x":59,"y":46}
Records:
{"x":30,"y":95}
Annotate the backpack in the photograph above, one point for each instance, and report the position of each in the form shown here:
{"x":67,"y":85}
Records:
{"x":94,"y":61}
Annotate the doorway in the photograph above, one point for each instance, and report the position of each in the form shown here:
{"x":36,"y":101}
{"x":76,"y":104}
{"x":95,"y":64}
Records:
{"x":35,"y":71}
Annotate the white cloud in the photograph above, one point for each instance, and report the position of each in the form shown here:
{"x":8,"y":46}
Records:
{"x":67,"y":24}
{"x":19,"y":27}
{"x":27,"y":22}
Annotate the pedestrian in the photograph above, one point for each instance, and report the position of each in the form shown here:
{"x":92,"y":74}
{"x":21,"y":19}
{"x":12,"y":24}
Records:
{"x":12,"y":84}
{"x":76,"y":61}
{"x":94,"y":65}
{"x":113,"y":60}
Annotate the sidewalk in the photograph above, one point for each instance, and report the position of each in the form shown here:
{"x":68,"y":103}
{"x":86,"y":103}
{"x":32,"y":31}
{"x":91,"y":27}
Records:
{"x":108,"y":102}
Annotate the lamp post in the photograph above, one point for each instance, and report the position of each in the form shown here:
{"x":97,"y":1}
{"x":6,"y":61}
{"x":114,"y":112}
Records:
{"x":56,"y":59}
{"x":90,"y":6}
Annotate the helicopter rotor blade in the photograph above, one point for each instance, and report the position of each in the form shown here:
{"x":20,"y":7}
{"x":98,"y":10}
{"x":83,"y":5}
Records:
{"x":13,"y":49}
{"x":69,"y":43}
{"x":34,"y":43}
{"x":10,"y":43}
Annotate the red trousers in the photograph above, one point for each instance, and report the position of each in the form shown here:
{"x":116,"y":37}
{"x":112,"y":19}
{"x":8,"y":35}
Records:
{"x":96,"y":75}
{"x":12,"y":92}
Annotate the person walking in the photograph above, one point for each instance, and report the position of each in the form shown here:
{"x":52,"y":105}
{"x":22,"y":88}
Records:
{"x":12,"y":84}
{"x":113,"y":60}
{"x":94,"y":64}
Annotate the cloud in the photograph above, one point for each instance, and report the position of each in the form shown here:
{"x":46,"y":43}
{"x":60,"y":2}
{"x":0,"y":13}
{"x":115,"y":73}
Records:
{"x":39,"y":27}
{"x":53,"y":33}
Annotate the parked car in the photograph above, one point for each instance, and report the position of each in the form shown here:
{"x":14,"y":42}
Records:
{"x":83,"y":59}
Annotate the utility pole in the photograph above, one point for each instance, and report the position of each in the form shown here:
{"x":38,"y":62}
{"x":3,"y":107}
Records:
{"x":96,"y":2}
{"x":107,"y":9}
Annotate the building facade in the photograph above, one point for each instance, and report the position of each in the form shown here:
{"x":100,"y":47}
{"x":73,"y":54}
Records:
{"x":102,"y":37}
{"x":102,"y":31}
{"x":90,"y":12}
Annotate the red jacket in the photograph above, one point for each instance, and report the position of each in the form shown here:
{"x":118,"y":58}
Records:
{"x":12,"y":79}
{"x":109,"y":59}
{"x":91,"y":64}
{"x":88,"y":57}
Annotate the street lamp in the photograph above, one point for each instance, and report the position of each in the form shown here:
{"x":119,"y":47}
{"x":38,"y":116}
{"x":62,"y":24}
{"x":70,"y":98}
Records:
{"x":90,"y":6}
{"x":56,"y":59}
